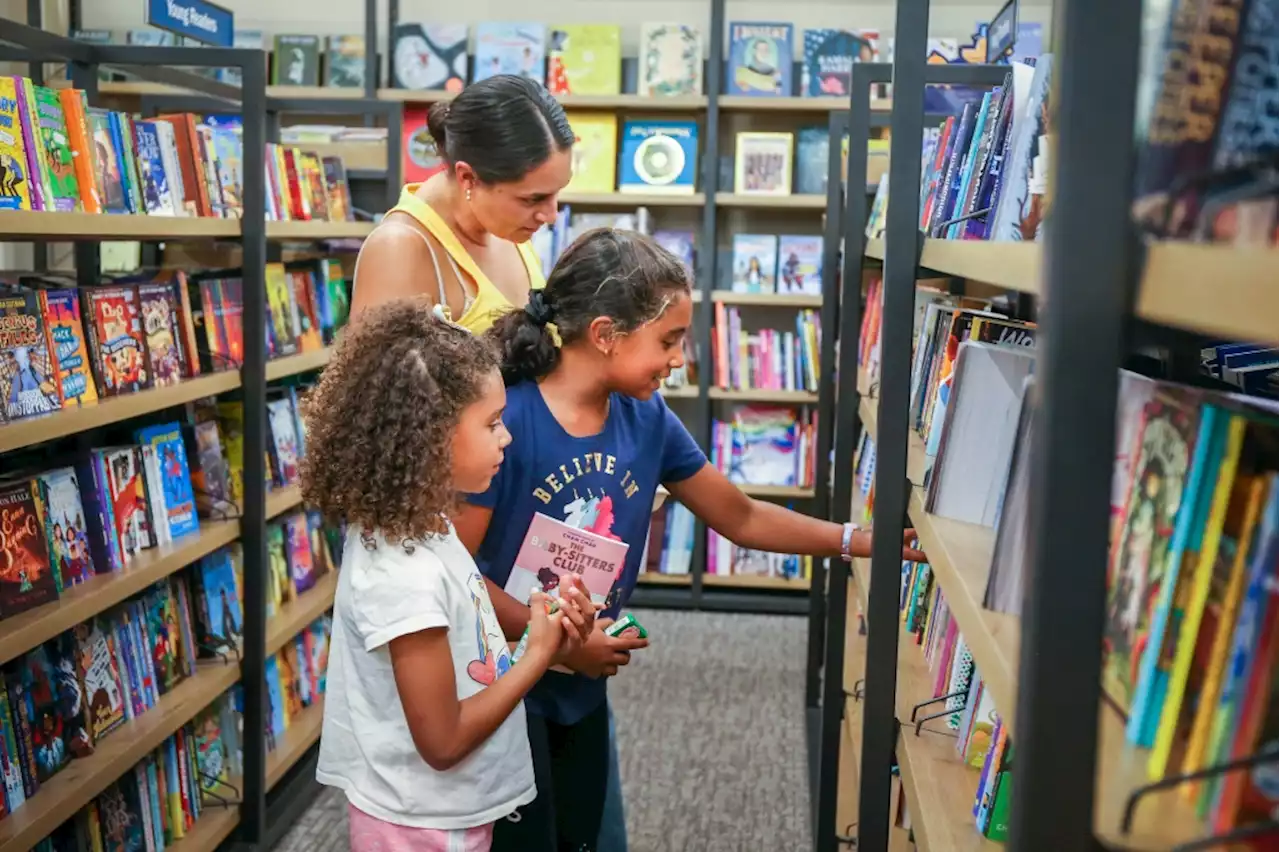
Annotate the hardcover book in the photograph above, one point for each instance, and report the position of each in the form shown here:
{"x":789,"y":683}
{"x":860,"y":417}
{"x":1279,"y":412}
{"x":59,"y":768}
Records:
{"x":658,"y":157}
{"x":762,"y":164}
{"x":26,"y":575}
{"x":27,"y":381}
{"x":297,"y":60}
{"x":15,"y":179}
{"x":430,"y":56}
{"x":344,"y":61}
{"x":670,"y":60}
{"x":595,"y":152}
{"x":53,"y":136}
{"x":585,"y":59}
{"x":755,"y":262}
{"x":511,"y":48}
{"x":759,"y":60}
{"x":799,"y":264}
{"x":829,"y":55}
{"x":63,"y":518}
{"x":553,"y":549}
{"x":68,"y":351}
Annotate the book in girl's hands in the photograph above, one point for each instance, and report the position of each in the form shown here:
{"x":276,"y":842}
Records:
{"x":553,"y":549}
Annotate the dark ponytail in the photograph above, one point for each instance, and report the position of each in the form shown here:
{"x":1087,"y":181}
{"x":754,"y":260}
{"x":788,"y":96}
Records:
{"x":502,"y":127}
{"x":621,"y":275}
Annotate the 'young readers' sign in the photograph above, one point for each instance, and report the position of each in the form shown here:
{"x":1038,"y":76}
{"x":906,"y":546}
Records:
{"x":552,"y":549}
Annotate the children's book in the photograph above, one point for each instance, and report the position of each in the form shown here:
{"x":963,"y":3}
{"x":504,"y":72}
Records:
{"x":553,"y":549}
{"x":658,"y":157}
{"x":52,"y":136}
{"x":595,"y":152}
{"x":175,"y":476}
{"x":28,"y":384}
{"x":15,"y":177}
{"x":430,"y":56}
{"x":103,"y":687}
{"x":510,"y":48}
{"x":114,"y":324}
{"x":48,"y":727}
{"x":26,"y":575}
{"x":279,"y":583}
{"x":760,"y":60}
{"x":68,"y":351}
{"x":755,"y":263}
{"x":297,"y":60}
{"x":158,"y":306}
{"x":829,"y":55}
{"x":284,"y":440}
{"x":63,"y":518}
{"x":302,"y":567}
{"x":762,"y":164}
{"x":670,"y":60}
{"x":585,"y":59}
{"x":799,"y":264}
{"x":220,"y":611}
{"x":276,"y":717}
{"x":344,"y":61}
{"x":106,"y":162}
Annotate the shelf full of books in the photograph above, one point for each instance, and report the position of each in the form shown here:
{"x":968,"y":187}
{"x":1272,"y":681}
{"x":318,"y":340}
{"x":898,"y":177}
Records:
{"x":146,"y":459}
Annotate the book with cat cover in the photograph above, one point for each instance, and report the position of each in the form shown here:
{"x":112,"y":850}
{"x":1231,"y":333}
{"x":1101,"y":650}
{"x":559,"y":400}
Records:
{"x":28,"y":384}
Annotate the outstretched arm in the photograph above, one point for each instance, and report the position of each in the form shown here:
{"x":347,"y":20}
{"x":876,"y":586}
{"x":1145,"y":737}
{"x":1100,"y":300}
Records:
{"x":760,"y":525}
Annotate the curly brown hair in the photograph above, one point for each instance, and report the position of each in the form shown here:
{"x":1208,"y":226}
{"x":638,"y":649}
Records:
{"x":380,"y":422}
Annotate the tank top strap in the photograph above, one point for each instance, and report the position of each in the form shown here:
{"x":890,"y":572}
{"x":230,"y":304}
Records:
{"x":411,"y":205}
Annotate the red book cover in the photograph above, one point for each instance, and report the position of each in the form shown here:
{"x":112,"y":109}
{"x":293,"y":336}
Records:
{"x":298,"y":206}
{"x":121,"y":353}
{"x":128,"y":500}
{"x":26,"y":577}
{"x":421,"y":160}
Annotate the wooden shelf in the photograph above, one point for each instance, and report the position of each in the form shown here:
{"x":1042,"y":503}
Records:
{"x":778,"y":491}
{"x":939,"y":787}
{"x":642,"y":103}
{"x":686,"y":392}
{"x":303,"y":362}
{"x":772,"y":202}
{"x":769,"y":300}
{"x":294,"y":616}
{"x":1212,"y":289}
{"x":318,"y":230}
{"x":214,"y":826}
{"x":22,"y":632}
{"x":754,"y":581}
{"x":361,"y":156}
{"x":281,"y":500}
{"x":748,"y":103}
{"x":632,"y":200}
{"x":134,"y":88}
{"x":69,"y":421}
{"x":82,"y":780}
{"x":49,"y":225}
{"x":758,"y":395}
{"x":653,"y":578}
{"x":303,"y":732}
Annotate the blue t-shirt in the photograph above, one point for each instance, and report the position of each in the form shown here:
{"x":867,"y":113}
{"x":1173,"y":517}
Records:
{"x":604,"y":483}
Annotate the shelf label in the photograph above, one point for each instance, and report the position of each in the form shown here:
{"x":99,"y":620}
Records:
{"x":199,"y":20}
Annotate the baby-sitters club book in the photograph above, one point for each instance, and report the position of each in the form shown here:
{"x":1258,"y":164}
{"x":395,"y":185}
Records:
{"x":553,"y":549}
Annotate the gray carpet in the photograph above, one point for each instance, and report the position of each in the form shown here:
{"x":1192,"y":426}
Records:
{"x":711,"y":735}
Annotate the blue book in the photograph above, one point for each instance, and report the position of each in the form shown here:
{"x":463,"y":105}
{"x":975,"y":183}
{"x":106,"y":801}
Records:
{"x":968,"y":164}
{"x":829,"y":55}
{"x":175,"y":476}
{"x":760,"y":58}
{"x":221,"y":610}
{"x":157,"y":199}
{"x":949,"y":184}
{"x":658,"y":157}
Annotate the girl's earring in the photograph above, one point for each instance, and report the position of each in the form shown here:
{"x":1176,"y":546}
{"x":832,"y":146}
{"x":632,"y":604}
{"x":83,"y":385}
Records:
{"x":468,"y":195}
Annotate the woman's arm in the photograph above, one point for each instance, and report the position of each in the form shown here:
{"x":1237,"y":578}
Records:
{"x":760,"y":525}
{"x":394,"y":263}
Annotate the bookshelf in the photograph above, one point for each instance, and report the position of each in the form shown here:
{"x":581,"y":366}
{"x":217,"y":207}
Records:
{"x":83,"y":779}
{"x":302,"y":734}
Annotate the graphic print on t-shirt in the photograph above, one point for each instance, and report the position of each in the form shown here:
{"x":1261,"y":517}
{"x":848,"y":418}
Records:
{"x":493,"y":654}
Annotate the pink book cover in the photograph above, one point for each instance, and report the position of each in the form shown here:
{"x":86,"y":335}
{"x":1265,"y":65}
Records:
{"x":552,"y":549}
{"x":944,"y":664}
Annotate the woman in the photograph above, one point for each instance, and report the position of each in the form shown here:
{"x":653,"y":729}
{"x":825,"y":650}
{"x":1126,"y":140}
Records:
{"x":506,"y":144}
{"x":462,"y":237}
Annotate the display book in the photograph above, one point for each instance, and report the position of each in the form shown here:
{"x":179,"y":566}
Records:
{"x":61,"y":155}
{"x":67,"y":347}
{"x":1190,"y":642}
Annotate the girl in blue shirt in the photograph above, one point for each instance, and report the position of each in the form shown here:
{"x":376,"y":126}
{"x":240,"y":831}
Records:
{"x":591,"y":442}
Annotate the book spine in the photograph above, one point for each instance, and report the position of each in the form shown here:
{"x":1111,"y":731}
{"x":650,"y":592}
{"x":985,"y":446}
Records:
{"x":37,"y":177}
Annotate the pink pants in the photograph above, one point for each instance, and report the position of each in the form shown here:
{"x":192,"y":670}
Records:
{"x":370,"y":834}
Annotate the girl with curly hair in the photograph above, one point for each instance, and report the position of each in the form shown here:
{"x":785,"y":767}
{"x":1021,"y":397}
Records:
{"x":591,"y":441}
{"x":424,"y":724}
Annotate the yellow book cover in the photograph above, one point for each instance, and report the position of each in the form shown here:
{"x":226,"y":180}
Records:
{"x":1193,"y":608}
{"x":282,"y":310}
{"x":15,"y":188}
{"x":585,"y":59}
{"x":1223,"y":606}
{"x":595,"y":152}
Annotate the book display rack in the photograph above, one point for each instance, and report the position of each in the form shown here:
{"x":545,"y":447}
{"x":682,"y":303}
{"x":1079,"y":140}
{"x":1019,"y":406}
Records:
{"x":274,"y":784}
{"x":1100,"y":294}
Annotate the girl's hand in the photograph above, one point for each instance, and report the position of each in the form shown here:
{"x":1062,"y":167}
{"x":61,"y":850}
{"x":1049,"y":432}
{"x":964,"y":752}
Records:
{"x":602,"y":655}
{"x":578,"y":608}
{"x":860,"y":547}
{"x":547,"y":631}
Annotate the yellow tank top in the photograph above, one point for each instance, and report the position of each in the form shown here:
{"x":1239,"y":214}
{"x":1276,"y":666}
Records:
{"x":488,"y":303}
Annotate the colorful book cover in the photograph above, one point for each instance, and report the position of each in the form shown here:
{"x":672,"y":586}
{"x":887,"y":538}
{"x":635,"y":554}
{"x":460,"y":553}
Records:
{"x":162,"y":633}
{"x":1020,"y":207}
{"x":287,"y":664}
{"x":799,"y":264}
{"x":27,"y":381}
{"x":58,"y":157}
{"x":755,"y":263}
{"x":158,"y":305}
{"x":680,"y":243}
{"x":26,"y":575}
{"x":296,"y":60}
{"x":175,"y":476}
{"x":284,"y":440}
{"x":16,"y":185}
{"x":430,"y":56}
{"x":318,"y":647}
{"x":344,"y":61}
{"x":63,"y":655}
{"x":670,"y":60}
{"x":121,"y":346}
{"x":595,"y":152}
{"x":276,"y":718}
{"x":759,"y":59}
{"x":157,"y":189}
{"x":829,"y":55}
{"x":658,"y":157}
{"x":106,"y":162}
{"x":762,"y":163}
{"x":283,"y":310}
{"x":320,"y":553}
{"x":14,"y":789}
{"x":221,"y":598}
{"x":510,"y":48}
{"x":337,"y":190}
{"x":40,"y":692}
{"x":302,"y":567}
{"x":126,"y":160}
{"x":68,"y":350}
{"x":585,"y":59}
{"x":122,"y":820}
{"x":553,"y":549}
{"x":339,"y":293}
{"x":103,"y":686}
{"x":279,"y":584}
{"x":210,"y":755}
{"x":65,"y":528}
{"x":37,"y":174}
{"x":128,"y":498}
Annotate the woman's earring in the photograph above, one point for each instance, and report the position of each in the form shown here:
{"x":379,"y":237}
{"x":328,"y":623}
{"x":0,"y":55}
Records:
{"x":468,"y":195}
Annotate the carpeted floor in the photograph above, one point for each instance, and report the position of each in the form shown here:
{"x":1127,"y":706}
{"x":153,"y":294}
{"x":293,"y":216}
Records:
{"x":711,"y":735}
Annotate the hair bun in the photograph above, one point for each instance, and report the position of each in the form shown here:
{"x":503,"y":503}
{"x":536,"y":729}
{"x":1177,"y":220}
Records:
{"x":539,"y":309}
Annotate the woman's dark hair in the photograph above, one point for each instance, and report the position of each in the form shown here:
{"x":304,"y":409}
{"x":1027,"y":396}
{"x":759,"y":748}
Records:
{"x":502,"y":127}
{"x":622,"y":275}
{"x":380,"y":422}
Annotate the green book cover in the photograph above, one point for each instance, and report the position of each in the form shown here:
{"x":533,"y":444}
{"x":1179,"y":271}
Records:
{"x":344,"y":62}
{"x":998,"y":825}
{"x":297,"y":60}
{"x":52,"y":125}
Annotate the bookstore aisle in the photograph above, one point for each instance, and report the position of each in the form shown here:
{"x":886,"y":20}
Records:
{"x":711,"y":760}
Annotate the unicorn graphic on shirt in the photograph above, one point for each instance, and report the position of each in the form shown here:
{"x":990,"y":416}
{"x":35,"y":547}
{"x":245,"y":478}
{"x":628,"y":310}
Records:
{"x":494,"y":656}
{"x":593,"y":514}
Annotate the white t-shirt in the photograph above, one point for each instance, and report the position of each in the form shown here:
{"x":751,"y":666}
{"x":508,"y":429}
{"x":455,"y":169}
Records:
{"x":365,"y":747}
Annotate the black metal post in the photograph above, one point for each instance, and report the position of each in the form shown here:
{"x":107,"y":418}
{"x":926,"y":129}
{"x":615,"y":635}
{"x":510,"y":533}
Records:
{"x":706,"y":271}
{"x":879,"y":725}
{"x":395,"y":154}
{"x":35,"y":18}
{"x":88,"y":255}
{"x":75,"y":17}
{"x":837,"y":126}
{"x":253,"y":378}
{"x":371,"y":64}
{"x":1086,"y":309}
{"x":393,"y":21}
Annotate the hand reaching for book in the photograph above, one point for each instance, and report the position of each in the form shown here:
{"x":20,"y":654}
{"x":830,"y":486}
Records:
{"x":860,"y":546}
